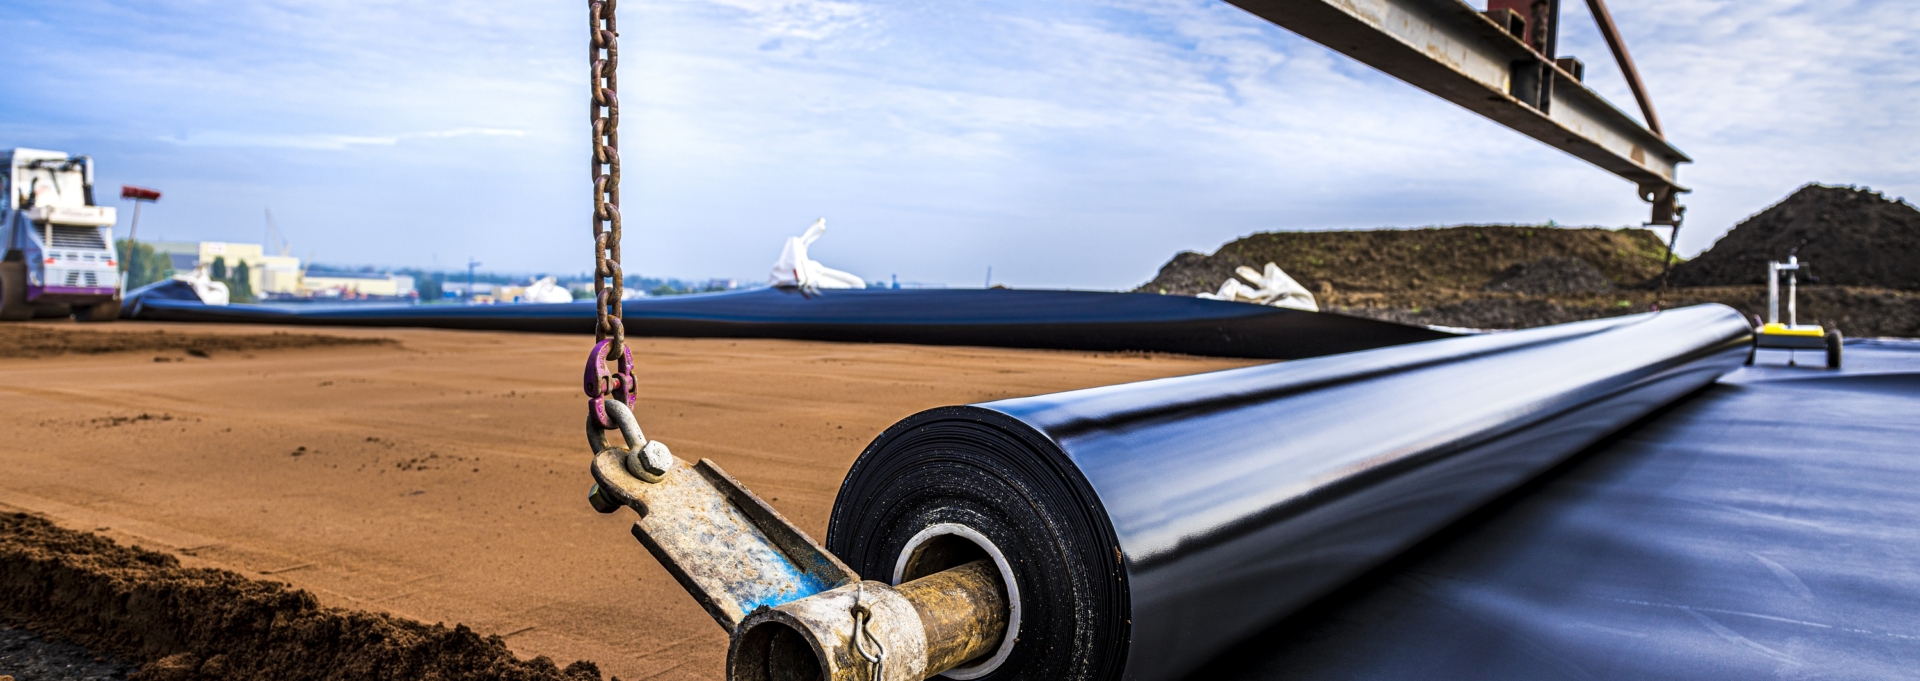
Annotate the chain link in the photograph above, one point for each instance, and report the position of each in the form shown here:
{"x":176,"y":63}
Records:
{"x":610,"y":334}
{"x":608,"y":280}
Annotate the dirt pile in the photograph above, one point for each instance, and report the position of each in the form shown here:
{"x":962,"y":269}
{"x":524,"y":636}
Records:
{"x":1390,"y":260}
{"x":1863,"y":246}
{"x":1557,"y":275}
{"x":1850,"y":236}
{"x":40,"y":340}
{"x":195,"y":623}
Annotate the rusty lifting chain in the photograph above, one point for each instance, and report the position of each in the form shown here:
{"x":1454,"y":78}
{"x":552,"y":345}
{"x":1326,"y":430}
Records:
{"x":603,"y":57}
{"x":793,"y":608}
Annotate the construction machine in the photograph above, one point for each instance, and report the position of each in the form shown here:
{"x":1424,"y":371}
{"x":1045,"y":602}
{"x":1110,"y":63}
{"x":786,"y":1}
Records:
{"x":59,"y":258}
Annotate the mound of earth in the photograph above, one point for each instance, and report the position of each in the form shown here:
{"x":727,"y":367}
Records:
{"x":1389,"y":260}
{"x":40,"y":340}
{"x":1849,"y":236}
{"x":1558,"y":275}
{"x":194,"y":623}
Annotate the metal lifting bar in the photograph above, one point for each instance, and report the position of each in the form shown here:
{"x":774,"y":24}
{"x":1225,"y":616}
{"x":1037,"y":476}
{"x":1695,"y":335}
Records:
{"x":792,"y":608}
{"x":1465,"y":56}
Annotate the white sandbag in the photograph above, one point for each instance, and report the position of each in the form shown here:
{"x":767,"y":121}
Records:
{"x":1272,"y":287}
{"x":545,"y":290}
{"x":210,"y":292}
{"x":794,"y":268}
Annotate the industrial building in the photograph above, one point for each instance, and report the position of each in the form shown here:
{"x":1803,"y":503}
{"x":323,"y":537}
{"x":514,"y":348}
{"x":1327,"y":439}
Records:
{"x":267,"y":274}
{"x":282,"y":275}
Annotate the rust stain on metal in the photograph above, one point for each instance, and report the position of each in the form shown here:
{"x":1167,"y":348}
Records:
{"x":963,"y":610}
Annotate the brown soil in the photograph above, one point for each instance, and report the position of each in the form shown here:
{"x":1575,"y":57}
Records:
{"x":1849,"y":237}
{"x":199,"y":623}
{"x":1557,"y":275}
{"x":1863,"y":247}
{"x":443,"y":478}
{"x":1399,"y":260}
{"x":61,"y":338}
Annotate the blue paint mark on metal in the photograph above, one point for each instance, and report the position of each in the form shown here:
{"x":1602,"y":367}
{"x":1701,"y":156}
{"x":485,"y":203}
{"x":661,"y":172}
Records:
{"x":799,"y":584}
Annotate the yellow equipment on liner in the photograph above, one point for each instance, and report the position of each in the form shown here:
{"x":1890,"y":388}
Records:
{"x":1792,"y":335}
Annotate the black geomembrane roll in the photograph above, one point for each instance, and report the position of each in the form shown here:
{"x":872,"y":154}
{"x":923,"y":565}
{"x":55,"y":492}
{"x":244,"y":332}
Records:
{"x":1150,"y":525}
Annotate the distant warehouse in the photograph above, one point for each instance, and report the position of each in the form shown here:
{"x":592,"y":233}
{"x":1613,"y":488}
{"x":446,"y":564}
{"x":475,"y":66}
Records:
{"x":340,"y":284}
{"x":279,"y":276}
{"x":267,"y":274}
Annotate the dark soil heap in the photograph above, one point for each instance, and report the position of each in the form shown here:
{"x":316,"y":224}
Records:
{"x":1389,"y":260}
{"x":1552,"y":276}
{"x":192,"y":623}
{"x":1849,"y":236}
{"x":1864,"y":247}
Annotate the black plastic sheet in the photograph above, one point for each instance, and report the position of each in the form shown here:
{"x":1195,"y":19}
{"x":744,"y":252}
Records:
{"x":1767,"y":527}
{"x":1061,"y":320}
{"x":1152,"y":525}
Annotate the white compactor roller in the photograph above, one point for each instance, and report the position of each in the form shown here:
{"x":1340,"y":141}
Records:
{"x":59,"y":257}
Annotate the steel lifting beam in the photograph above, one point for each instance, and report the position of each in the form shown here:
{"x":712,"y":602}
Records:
{"x":1470,"y":58}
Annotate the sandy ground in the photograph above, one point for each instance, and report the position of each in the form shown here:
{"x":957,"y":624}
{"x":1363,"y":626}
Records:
{"x":443,"y":478}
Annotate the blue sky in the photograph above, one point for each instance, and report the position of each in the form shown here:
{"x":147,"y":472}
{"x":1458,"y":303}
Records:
{"x":1064,"y":143}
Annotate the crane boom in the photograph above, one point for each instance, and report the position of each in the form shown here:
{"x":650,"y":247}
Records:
{"x":1497,"y":65}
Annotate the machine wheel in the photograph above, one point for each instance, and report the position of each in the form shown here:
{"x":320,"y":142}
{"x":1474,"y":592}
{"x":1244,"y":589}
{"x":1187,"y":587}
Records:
{"x":101,"y":312}
{"x":13,"y":292}
{"x":1833,"y":349}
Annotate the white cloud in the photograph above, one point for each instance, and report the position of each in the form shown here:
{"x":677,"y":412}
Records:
{"x":801,"y":19}
{"x":1065,"y":142}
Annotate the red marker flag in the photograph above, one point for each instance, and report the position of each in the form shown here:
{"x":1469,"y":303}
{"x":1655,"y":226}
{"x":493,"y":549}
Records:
{"x":128,"y":191}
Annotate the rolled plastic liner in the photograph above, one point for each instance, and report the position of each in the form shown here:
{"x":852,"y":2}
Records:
{"x":1153,"y":524}
{"x":1061,"y":320}
{"x":1761,"y":528}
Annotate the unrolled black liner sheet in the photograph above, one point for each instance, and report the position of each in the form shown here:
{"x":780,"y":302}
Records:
{"x":1767,"y":527}
{"x":1061,"y":320}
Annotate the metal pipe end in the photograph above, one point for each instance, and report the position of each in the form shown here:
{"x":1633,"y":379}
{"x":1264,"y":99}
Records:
{"x":774,"y":649}
{"x":811,"y":639}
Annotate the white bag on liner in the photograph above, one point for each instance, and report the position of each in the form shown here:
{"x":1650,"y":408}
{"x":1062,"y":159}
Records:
{"x":545,"y":290}
{"x":794,"y":268}
{"x":211,"y":292}
{"x":1272,"y":287}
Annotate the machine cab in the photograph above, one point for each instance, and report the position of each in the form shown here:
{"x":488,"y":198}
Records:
{"x":50,"y":226}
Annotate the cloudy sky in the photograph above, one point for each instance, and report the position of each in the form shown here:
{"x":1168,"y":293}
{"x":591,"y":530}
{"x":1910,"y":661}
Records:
{"x":1063,"y":143}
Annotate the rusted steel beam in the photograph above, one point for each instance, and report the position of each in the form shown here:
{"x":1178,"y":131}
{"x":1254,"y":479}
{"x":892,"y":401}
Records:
{"x":1461,"y":55}
{"x":1619,"y":47}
